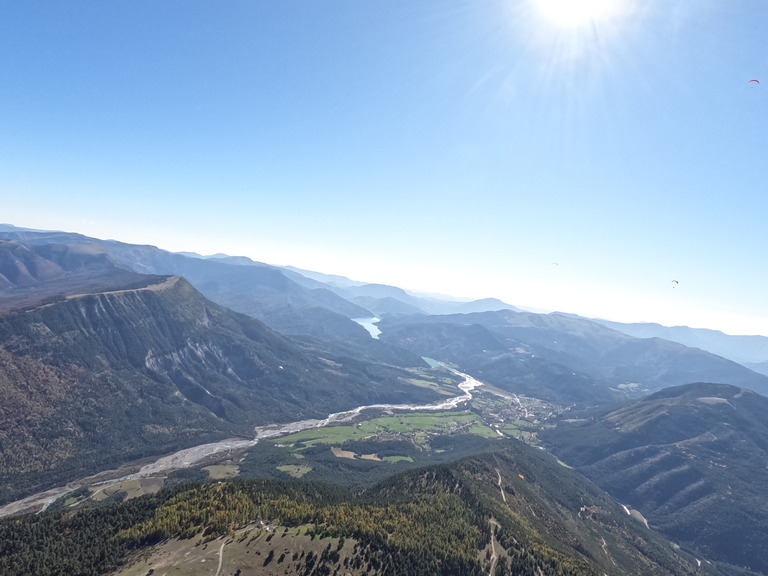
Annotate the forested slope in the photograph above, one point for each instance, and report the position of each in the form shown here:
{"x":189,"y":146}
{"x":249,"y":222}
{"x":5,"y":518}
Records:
{"x":510,"y":511}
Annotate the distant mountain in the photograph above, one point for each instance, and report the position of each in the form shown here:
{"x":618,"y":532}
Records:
{"x":332,"y":279}
{"x":562,"y":358}
{"x":91,"y":380}
{"x":383,"y":299}
{"x":287,"y":299}
{"x":751,"y":351}
{"x":759,"y":367}
{"x":546,"y":354}
{"x":493,"y":359}
{"x":388,"y":300}
{"x":29,"y":273}
{"x":482,"y":305}
{"x":258,"y":290}
{"x":690,"y":458}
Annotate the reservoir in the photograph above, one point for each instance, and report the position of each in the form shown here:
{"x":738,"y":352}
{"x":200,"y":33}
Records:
{"x":370,"y":325}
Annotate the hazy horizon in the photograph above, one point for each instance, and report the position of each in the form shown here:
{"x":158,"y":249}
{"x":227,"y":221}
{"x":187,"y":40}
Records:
{"x":418,"y":293}
{"x":603,"y":157}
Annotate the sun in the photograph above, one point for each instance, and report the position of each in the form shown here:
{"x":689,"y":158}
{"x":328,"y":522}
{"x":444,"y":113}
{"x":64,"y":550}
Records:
{"x":575,"y":13}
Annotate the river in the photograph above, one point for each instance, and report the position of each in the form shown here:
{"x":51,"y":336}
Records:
{"x":189,"y":456}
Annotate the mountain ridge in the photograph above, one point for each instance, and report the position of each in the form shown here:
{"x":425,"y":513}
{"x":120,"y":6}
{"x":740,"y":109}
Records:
{"x":92,"y":380}
{"x":687,"y":457}
{"x":101,"y":364}
{"x":506,"y":511}
{"x":750,"y":351}
{"x":577,"y":350}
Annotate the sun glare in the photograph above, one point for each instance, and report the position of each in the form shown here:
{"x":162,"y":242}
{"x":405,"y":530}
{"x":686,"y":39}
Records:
{"x":575,"y":13}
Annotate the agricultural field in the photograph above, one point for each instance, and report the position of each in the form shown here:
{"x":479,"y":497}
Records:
{"x":222,"y":471}
{"x":358,"y":455}
{"x":444,"y":386}
{"x":371,"y":448}
{"x":295,"y":470}
{"x":364,"y":451}
{"x":417,"y":427}
{"x":124,"y":489}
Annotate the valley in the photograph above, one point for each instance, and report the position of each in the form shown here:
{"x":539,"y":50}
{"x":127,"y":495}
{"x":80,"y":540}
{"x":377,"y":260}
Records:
{"x":480,"y":411}
{"x":441,"y":288}
{"x":131,"y":386}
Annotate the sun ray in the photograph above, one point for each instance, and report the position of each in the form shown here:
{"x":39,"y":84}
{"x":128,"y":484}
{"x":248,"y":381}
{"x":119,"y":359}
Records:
{"x":575,"y":13}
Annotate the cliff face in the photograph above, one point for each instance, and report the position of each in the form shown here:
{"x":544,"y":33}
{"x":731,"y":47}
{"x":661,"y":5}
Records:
{"x":93,"y":380}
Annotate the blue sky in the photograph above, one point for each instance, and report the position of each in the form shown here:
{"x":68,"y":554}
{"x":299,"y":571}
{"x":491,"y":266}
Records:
{"x":474,"y":148}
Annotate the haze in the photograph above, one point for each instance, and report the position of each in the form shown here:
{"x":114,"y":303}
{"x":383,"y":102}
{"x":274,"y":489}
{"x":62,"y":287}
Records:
{"x":469,"y":148}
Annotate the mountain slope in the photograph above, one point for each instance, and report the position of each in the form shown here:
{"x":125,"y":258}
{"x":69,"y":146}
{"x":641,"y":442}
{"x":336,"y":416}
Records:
{"x":747,"y":350}
{"x":513,"y":511}
{"x":29,"y":273}
{"x":495,"y":360}
{"x":538,"y":505}
{"x":92,"y":380}
{"x":385,"y":300}
{"x":575,"y":346}
{"x":690,"y":458}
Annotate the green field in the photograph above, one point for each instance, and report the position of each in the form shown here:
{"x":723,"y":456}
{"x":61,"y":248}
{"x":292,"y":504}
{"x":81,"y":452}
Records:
{"x":445,"y":387}
{"x":417,"y":426}
{"x":483,"y":430}
{"x":295,"y":470}
{"x":219,"y":471}
{"x":131,"y":488}
{"x":516,"y":430}
{"x":397,"y":459}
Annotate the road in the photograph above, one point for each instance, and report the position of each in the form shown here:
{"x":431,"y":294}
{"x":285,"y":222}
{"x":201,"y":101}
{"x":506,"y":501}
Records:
{"x":221,"y":557}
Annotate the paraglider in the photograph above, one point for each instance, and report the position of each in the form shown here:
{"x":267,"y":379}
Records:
{"x":675,"y":283}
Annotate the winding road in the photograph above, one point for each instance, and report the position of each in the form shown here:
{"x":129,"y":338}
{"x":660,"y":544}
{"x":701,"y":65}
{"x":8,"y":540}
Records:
{"x":221,"y":557}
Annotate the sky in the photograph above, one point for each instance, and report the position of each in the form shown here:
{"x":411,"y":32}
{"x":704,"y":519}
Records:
{"x":599,"y":157}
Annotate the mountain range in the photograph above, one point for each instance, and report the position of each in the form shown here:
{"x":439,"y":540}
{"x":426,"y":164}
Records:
{"x":101,"y":365}
{"x":113,"y":354}
{"x":561,"y":357}
{"x":751,"y":351}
